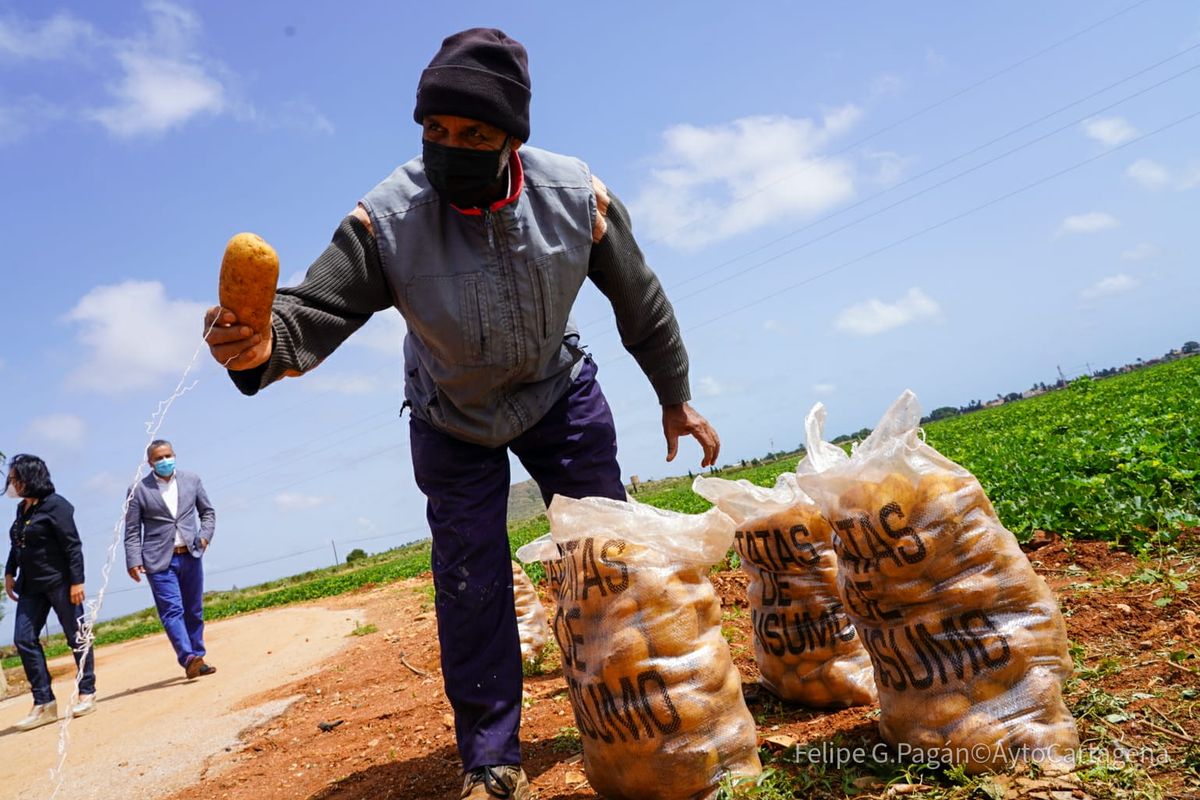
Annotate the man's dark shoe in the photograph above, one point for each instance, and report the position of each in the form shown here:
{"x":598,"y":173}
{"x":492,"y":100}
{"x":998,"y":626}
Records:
{"x":507,"y":782}
{"x":207,"y":669}
{"x":193,"y":667}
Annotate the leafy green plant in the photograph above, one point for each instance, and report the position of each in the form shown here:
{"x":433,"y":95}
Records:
{"x":363,"y":630}
{"x":567,"y":740}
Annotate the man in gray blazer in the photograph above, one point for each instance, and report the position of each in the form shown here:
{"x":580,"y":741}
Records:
{"x":168,"y":527}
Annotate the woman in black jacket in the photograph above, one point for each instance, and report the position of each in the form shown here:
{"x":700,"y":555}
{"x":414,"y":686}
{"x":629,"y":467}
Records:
{"x":45,"y":571}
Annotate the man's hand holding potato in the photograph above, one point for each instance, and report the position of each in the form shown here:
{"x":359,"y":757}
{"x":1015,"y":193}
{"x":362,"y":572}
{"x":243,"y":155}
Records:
{"x":234,"y":345}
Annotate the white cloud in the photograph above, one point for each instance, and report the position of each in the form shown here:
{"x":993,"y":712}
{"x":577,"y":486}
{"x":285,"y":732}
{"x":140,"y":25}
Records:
{"x":774,"y":326}
{"x":165,"y":81}
{"x":157,"y":94}
{"x":742,"y":175}
{"x":934,"y":60}
{"x":60,"y":36}
{"x":134,"y":336}
{"x":156,"y":79}
{"x":1110,"y":131}
{"x":1140,"y":252}
{"x":1114,"y":284}
{"x":710,"y":386}
{"x":22,"y":117}
{"x":887,"y":84}
{"x":889,"y":166}
{"x":297,"y":115}
{"x":1153,"y":175}
{"x":1091,"y":222}
{"x":1149,"y":174}
{"x":875,"y":316}
{"x":383,"y":333}
{"x":107,"y":483}
{"x":1191,"y":177}
{"x":294,"y":501}
{"x":342,"y":383}
{"x":824,"y":388}
{"x":295,"y":279}
{"x":63,"y":430}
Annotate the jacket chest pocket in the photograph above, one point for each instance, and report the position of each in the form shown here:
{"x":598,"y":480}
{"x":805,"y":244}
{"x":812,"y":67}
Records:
{"x":449,"y":314}
{"x":555,"y":279}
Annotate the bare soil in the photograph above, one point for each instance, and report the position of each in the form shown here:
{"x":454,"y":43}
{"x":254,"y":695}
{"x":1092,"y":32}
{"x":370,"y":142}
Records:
{"x":153,"y":730}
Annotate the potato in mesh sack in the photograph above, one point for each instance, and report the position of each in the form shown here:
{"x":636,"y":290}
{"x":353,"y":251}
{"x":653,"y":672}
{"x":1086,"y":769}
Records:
{"x":531,"y":615}
{"x":968,"y":643}
{"x":657,"y":699}
{"x":805,"y":645}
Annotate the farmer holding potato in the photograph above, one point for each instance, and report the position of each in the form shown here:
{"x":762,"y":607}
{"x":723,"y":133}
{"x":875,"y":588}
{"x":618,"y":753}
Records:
{"x":482,"y":244}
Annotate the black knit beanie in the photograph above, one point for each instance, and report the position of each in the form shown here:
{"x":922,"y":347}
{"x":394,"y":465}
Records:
{"x":482,"y":74}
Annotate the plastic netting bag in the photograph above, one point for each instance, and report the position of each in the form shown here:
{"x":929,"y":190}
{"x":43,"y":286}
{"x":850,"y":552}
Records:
{"x":657,"y":699}
{"x":968,"y":643}
{"x":532,"y":625}
{"x":806,"y":647}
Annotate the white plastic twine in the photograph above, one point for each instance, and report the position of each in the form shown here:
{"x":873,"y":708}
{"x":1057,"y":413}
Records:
{"x":86,"y":623}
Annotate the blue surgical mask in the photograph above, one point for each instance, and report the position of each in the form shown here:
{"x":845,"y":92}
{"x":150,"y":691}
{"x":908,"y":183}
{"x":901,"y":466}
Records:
{"x":164,"y":467}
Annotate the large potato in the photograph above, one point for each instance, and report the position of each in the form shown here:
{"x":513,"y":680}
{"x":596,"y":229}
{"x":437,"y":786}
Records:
{"x":249,"y":275}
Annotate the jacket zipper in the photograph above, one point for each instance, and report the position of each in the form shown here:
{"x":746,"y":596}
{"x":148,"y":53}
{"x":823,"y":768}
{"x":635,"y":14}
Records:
{"x":510,"y":291}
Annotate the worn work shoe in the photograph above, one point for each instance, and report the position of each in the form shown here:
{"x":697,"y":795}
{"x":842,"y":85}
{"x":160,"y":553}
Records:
{"x":507,"y":781}
{"x":45,"y":715}
{"x":86,"y":705}
{"x":194,"y":665}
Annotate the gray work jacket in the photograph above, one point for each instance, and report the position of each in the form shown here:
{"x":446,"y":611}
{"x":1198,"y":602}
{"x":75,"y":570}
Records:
{"x":487,"y":294}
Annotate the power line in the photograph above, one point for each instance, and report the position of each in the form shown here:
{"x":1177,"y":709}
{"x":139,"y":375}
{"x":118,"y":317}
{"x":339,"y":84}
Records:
{"x":227,"y":478}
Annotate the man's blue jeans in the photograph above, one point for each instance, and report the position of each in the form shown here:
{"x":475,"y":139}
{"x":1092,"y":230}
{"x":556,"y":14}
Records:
{"x":571,"y":451}
{"x":179,"y":595}
{"x":33,"y":608}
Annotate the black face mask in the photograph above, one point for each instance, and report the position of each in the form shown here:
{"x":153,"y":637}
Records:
{"x":463,"y":176}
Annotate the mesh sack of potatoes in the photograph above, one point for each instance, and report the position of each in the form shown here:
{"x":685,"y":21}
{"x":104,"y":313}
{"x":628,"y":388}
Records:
{"x":657,"y":699}
{"x":968,"y":643}
{"x":532,"y":625}
{"x":806,"y":647}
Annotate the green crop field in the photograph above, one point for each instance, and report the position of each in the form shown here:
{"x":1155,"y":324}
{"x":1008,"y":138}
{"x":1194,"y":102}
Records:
{"x":1115,"y":459}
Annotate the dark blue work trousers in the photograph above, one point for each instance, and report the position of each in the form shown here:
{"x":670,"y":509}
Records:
{"x":571,"y":451}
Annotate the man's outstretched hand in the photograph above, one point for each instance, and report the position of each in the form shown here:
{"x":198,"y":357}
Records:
{"x":234,"y":346}
{"x":683,"y":420}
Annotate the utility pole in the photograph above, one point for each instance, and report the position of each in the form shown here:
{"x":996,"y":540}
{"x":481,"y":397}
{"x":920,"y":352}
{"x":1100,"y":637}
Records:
{"x":333,"y":544}
{"x":1062,"y":379}
{"x":1089,"y":367}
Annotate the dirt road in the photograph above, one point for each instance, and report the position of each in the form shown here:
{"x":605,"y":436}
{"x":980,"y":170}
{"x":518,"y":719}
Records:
{"x":154,"y":731}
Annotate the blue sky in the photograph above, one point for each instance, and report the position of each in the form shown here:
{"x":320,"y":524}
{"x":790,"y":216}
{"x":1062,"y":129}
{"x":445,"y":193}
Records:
{"x":785,"y":164}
